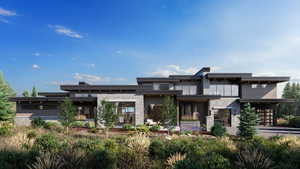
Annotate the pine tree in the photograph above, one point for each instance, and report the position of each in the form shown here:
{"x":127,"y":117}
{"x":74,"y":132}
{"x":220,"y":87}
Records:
{"x":67,"y":113}
{"x":6,"y":113}
{"x":26,"y":93}
{"x":248,"y":121}
{"x":34,"y":92}
{"x":108,"y":115}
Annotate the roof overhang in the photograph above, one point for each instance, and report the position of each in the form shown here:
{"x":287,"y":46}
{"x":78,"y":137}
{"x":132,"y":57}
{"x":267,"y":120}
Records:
{"x":53,"y":94}
{"x":227,"y":75}
{"x":156,"y":79}
{"x":267,"y":100}
{"x":51,"y":99}
{"x":197,"y":98}
{"x":99,"y":87}
{"x":265,"y":79}
{"x":159,"y":92}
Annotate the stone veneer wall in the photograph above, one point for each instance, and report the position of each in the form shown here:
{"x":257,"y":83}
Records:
{"x":222,"y":103}
{"x":138,"y":99}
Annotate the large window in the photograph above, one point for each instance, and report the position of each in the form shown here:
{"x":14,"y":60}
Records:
{"x":223,"y":116}
{"x":224,"y":89}
{"x":187,"y":89}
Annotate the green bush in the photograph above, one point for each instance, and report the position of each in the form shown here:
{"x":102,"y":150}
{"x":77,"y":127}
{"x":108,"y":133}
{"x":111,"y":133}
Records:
{"x":111,"y":145}
{"x":155,"y":128}
{"x":78,"y":124}
{"x":31,"y":134}
{"x":218,"y":130}
{"x":53,"y":126}
{"x":38,"y":122}
{"x":102,"y":159}
{"x":14,"y":159}
{"x":128,"y":127}
{"x":89,"y":145}
{"x":6,"y":129}
{"x":47,"y":143}
{"x":157,"y":149}
{"x":142,"y":128}
{"x":94,"y":130}
{"x":295,"y":122}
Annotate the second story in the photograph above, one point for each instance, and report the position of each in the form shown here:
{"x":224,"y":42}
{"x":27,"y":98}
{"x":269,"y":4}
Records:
{"x":206,"y":83}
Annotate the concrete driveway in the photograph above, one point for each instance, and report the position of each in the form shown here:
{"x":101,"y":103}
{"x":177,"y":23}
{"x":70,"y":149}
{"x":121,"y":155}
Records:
{"x":275,"y":131}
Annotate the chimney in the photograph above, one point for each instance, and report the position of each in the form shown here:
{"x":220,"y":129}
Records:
{"x":81,"y":83}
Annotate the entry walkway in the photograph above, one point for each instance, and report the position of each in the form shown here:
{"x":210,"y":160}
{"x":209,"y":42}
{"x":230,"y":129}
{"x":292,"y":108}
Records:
{"x":275,"y":131}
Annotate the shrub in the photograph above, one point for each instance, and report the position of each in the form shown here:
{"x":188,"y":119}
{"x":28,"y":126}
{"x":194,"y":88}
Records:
{"x":111,"y":145}
{"x":139,"y":143}
{"x":295,"y":122}
{"x":93,"y":130}
{"x":218,"y":130}
{"x":209,"y":161}
{"x":31,"y":134}
{"x":13,"y":159}
{"x":157,"y":149}
{"x":38,"y":122}
{"x":54,"y":127}
{"x":155,"y":128}
{"x":173,"y":159}
{"x":6,"y":129}
{"x":47,"y":143}
{"x":78,"y":124}
{"x":103,"y":159}
{"x":128,"y":159}
{"x":47,"y":161}
{"x":88,"y":145}
{"x":142,"y":128}
{"x":128,"y":127}
{"x":253,"y":158}
{"x":73,"y":158}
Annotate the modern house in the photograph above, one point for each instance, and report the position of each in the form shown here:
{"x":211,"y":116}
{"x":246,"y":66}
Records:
{"x":206,"y":97}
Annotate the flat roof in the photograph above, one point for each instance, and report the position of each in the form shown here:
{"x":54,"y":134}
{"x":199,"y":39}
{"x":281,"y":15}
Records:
{"x":266,"y":79}
{"x":156,"y":79}
{"x":51,"y":99}
{"x":267,"y":100}
{"x":99,"y":87}
{"x":53,"y":94}
{"x":227,"y":75}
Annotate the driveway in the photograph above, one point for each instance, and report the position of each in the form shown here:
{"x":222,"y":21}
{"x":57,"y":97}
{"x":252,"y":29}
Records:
{"x":274,"y":131}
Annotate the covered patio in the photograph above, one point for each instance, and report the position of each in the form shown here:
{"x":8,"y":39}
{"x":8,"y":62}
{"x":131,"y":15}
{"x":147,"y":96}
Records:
{"x":266,"y":109}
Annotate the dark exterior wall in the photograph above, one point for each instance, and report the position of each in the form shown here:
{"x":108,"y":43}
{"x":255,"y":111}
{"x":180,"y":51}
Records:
{"x":36,"y":111}
{"x":148,"y":100}
{"x":259,"y":93}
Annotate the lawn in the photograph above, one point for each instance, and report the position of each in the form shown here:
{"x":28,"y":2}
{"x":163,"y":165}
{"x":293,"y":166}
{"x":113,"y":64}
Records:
{"x":49,"y":147}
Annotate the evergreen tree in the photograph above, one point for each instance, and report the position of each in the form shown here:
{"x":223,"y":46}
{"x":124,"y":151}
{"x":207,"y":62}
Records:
{"x":67,"y":113}
{"x":26,"y":93}
{"x":6,"y":113}
{"x":107,"y":115}
{"x":169,"y":111}
{"x":34,"y":92}
{"x":291,"y":91}
{"x":248,"y":121}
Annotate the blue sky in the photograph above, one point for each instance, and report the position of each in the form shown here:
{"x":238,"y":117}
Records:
{"x":47,"y":43}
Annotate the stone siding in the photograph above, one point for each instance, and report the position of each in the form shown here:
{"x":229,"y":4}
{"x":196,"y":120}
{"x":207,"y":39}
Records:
{"x":224,"y":103}
{"x":138,"y":99}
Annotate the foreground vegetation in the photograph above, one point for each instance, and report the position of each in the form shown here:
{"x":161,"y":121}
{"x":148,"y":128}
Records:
{"x":39,"y":148}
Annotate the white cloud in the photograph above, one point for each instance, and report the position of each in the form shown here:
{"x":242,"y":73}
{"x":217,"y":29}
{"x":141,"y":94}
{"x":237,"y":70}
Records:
{"x":5,"y":12}
{"x":36,"y":54}
{"x":119,"y":52}
{"x":35,"y":66}
{"x":174,"y":70}
{"x":65,"y":31}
